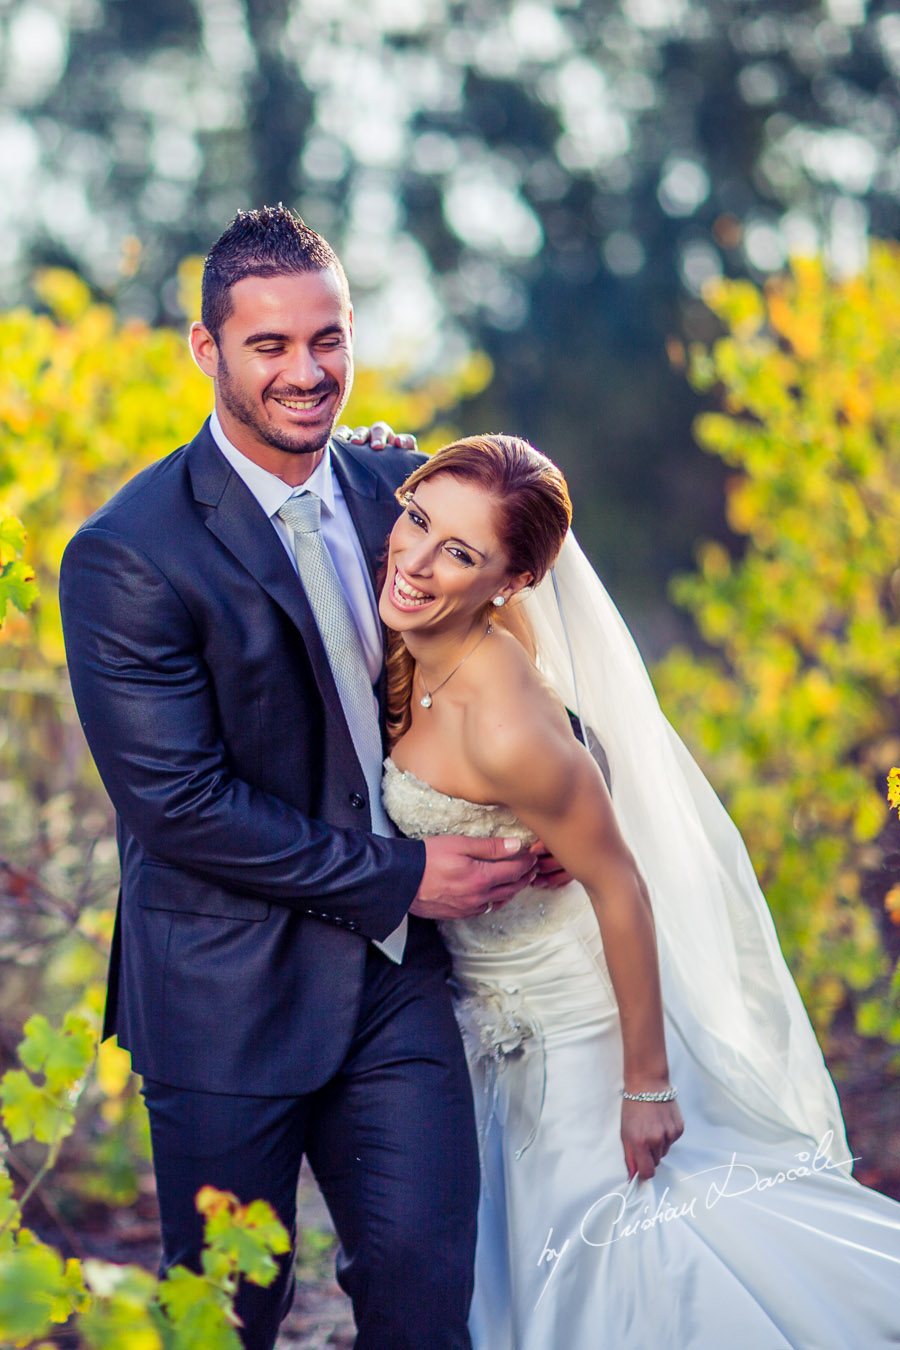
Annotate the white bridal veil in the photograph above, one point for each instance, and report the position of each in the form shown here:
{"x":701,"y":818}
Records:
{"x":725,"y":982}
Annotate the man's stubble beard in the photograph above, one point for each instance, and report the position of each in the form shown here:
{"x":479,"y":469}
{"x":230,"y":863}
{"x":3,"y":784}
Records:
{"x":246,"y":413}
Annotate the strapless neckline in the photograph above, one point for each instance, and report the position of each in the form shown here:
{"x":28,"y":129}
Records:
{"x":392,"y":766}
{"x":421,"y":811}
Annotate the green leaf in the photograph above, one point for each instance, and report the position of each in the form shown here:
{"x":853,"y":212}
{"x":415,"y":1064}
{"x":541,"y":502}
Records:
{"x":201,"y":1315}
{"x":31,"y":1112}
{"x":128,"y":1284}
{"x":73,"y":1297}
{"x":12,"y":538}
{"x":241,"y":1238}
{"x":116,"y":1326}
{"x":17,"y":587}
{"x":45,"y":1113}
{"x":120,"y":1314}
{"x":31,"y":1282}
{"x":9,"y":1208}
{"x":63,"y":1056}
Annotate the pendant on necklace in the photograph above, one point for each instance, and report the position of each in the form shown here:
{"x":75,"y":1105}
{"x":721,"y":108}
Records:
{"x":427,"y":699}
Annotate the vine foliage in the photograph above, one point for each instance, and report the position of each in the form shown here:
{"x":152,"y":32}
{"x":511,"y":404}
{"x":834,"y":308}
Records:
{"x":795,"y":705}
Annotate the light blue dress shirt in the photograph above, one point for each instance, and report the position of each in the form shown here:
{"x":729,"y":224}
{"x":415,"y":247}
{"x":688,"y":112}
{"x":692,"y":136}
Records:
{"x":338,"y":531}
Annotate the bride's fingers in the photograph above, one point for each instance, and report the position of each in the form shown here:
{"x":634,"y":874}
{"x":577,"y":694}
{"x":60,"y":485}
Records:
{"x":646,"y":1164}
{"x":646,"y":1143}
{"x":639,"y":1156}
{"x":550,"y":875}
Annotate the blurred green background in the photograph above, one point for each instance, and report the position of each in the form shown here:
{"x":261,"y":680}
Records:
{"x":551,"y":183}
{"x":578,"y":222}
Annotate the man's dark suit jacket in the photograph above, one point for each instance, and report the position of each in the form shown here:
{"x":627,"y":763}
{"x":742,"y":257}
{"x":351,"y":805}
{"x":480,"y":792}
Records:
{"x":250,"y":886}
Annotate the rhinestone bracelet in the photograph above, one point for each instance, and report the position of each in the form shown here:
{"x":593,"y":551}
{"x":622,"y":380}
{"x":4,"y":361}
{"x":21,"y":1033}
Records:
{"x":668,"y":1095}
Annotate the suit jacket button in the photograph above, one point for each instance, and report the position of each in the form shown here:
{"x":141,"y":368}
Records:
{"x":357,"y":801}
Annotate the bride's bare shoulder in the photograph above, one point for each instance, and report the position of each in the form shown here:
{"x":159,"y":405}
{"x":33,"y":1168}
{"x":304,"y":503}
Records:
{"x":516,"y":718}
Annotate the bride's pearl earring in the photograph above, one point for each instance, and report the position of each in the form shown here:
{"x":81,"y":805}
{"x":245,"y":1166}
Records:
{"x":499,"y":600}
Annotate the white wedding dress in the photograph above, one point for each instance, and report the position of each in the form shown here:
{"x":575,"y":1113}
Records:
{"x":751,"y":1235}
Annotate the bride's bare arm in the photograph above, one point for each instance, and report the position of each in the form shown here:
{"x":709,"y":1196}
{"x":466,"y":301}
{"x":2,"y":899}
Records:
{"x":525,"y":754}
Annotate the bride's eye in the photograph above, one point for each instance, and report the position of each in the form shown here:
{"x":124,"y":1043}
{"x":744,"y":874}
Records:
{"x":460,"y":555}
{"x":417,"y":520}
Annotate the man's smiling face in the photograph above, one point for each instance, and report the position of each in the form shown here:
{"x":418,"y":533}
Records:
{"x":283,"y":366}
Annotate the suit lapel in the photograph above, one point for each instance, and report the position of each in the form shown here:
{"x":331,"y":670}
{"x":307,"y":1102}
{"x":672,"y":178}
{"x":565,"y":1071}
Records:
{"x":239,"y":523}
{"x":372,"y":506}
{"x":373,"y":509}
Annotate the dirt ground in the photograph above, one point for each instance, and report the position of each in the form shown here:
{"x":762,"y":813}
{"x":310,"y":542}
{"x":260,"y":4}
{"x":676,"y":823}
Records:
{"x":321,"y":1315}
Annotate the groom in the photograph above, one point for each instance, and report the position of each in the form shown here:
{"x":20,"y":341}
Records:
{"x":272,"y":972}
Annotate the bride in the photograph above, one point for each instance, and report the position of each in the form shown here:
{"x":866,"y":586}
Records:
{"x":651,"y":985}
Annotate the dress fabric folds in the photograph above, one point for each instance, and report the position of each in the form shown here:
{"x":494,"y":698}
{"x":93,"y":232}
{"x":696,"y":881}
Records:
{"x":750,"y":1236}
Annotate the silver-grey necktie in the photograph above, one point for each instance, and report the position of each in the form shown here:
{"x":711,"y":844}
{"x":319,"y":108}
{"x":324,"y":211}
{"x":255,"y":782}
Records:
{"x":340,"y":636}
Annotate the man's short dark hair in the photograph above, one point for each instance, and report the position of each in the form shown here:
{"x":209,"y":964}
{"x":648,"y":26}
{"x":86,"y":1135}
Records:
{"x":270,"y":242}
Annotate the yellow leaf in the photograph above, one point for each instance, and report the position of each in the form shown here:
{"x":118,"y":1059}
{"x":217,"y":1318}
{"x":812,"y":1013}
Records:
{"x":892,"y":904}
{"x":113,"y":1068}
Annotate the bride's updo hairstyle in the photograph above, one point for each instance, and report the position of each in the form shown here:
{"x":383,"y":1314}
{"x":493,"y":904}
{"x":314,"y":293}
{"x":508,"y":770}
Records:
{"x":533,"y":513}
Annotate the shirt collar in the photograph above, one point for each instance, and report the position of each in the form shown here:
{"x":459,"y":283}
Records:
{"x":321,"y":482}
{"x":269,"y":490}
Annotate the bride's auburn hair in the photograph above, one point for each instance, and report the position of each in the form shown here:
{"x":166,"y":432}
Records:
{"x":533,"y":513}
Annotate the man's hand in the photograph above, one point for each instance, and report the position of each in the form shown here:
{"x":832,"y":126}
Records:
{"x":469,"y":876}
{"x":379,"y":436}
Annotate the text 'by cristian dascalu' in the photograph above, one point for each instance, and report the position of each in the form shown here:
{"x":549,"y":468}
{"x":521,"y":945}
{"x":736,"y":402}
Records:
{"x":618,"y":1215}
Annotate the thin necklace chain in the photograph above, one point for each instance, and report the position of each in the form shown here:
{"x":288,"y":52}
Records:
{"x":427,"y":701}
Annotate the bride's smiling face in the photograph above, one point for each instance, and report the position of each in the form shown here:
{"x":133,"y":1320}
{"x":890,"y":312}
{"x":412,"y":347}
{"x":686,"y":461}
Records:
{"x":445,"y":560}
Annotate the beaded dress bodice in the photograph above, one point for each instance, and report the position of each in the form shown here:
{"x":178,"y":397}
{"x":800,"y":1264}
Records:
{"x":419,"y":810}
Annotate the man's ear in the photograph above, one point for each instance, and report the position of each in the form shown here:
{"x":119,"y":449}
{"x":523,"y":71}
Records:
{"x":204,"y":350}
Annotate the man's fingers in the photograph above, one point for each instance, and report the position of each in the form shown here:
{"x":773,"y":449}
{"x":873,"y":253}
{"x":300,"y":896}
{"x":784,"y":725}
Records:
{"x":516,"y":872}
{"x":498,"y":847}
{"x":504,"y":865}
{"x":499,"y":895}
{"x":379,"y":436}
{"x":502,"y":876}
{"x":359,"y":435}
{"x":464,"y":875}
{"x":499,"y":875}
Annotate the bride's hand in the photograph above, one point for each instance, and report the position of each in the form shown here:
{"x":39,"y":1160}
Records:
{"x":551,"y":875}
{"x":649,"y":1129}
